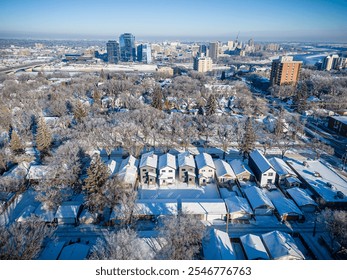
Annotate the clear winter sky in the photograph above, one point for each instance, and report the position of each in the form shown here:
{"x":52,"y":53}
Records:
{"x":289,"y":20}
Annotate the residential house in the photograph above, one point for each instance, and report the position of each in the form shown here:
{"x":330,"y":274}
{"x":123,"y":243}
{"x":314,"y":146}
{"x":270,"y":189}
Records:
{"x":148,"y":168}
{"x":206,"y":168}
{"x":205,"y":209}
{"x":167,"y":169}
{"x":303,"y":199}
{"x":238,"y":208}
{"x":68,"y":212}
{"x":225,"y":175}
{"x":260,"y":202}
{"x":217,"y":246}
{"x":281,"y":246}
{"x":283,"y":172}
{"x":264,"y":172}
{"x":128,"y":171}
{"x":254,"y":247}
{"x":186,"y":168}
{"x":241,"y":170}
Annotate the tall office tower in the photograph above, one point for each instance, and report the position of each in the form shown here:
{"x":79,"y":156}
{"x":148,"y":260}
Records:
{"x":285,"y":71}
{"x":144,"y":53}
{"x":203,"y":50}
{"x":251,"y":42}
{"x":230,"y":45}
{"x":330,"y":62}
{"x":202,"y":63}
{"x":112,"y":51}
{"x":127,"y":47}
{"x":213,"y":51}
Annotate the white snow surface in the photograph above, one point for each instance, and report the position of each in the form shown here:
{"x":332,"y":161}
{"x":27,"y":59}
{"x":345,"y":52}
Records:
{"x":204,"y":160}
{"x":223,"y":169}
{"x":254,"y":247}
{"x":258,"y":198}
{"x":218,"y":246}
{"x":237,"y":204}
{"x":301,"y":197}
{"x":167,"y":160}
{"x":149,"y":159}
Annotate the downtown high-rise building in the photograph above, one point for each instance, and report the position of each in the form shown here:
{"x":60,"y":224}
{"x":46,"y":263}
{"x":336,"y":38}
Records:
{"x":112,"y":48}
{"x":285,"y":71}
{"x":214,"y":50}
{"x":202,"y":63}
{"x":127,"y":47}
{"x":203,"y":49}
{"x":144,"y":53}
{"x":330,"y":62}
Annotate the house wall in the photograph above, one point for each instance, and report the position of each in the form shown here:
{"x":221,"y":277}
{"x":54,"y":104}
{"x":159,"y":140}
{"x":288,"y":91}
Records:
{"x":208,"y":173}
{"x":144,"y":173}
{"x":171,"y":175}
{"x":268,"y":177}
{"x":337,"y":126}
{"x":182,"y":172}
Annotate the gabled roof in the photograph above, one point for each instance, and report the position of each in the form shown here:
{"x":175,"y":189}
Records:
{"x":204,"y":207}
{"x":149,"y":159}
{"x":185,"y":159}
{"x":112,"y":164}
{"x":280,"y":166}
{"x":254,"y":247}
{"x":281,"y":245}
{"x":203,"y":160}
{"x":262,"y":163}
{"x":127,"y":162}
{"x":301,"y":197}
{"x":238,"y":204}
{"x":69,"y":209}
{"x":167,"y":160}
{"x":39,"y":172}
{"x":286,"y":206}
{"x":223,"y":169}
{"x":218,"y":246}
{"x":257,"y":197}
{"x":240,"y":167}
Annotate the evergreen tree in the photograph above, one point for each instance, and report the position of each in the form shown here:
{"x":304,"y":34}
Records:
{"x":93,"y":185}
{"x":157,"y":98}
{"x":79,"y":111}
{"x":211,"y":106}
{"x":248,"y":139}
{"x":43,"y":137}
{"x":16,"y":144}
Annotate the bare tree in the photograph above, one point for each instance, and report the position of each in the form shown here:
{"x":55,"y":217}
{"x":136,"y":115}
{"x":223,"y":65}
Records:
{"x":23,"y":241}
{"x":16,"y":144}
{"x":121,"y":245}
{"x":183,"y":237}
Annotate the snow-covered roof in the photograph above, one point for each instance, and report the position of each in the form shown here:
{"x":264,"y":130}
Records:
{"x":326,"y":182}
{"x":301,"y":197}
{"x":223,"y":169}
{"x":254,"y":247}
{"x":258,"y":198}
{"x":282,"y":246}
{"x":69,"y":209}
{"x":217,"y":246}
{"x":292,"y":180}
{"x":208,"y":206}
{"x":20,"y":171}
{"x":225,"y":193}
{"x":38,"y":172}
{"x":52,"y":250}
{"x":74,"y":251}
{"x":240,"y":167}
{"x":203,"y":160}
{"x":112,"y":164}
{"x":149,"y":159}
{"x":262,"y":163}
{"x":280,"y":166}
{"x":130,"y":161}
{"x":44,"y":215}
{"x":27,"y":213}
{"x":167,"y":160}
{"x":128,"y":175}
{"x":238,"y":204}
{"x":185,"y":159}
{"x":285,"y":206}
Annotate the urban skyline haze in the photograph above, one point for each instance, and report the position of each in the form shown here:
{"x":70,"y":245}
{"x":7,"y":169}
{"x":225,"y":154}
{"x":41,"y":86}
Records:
{"x":296,"y":20}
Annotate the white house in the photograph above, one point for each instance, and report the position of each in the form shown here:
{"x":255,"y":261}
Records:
{"x":238,"y":208}
{"x":205,"y":209}
{"x":281,"y":246}
{"x":260,"y":202}
{"x":186,"y":168}
{"x":303,"y":199}
{"x":224,"y":173}
{"x":68,"y":213}
{"x":167,"y":169}
{"x":254,"y":247}
{"x":241,"y":170}
{"x":283,"y":171}
{"x":262,"y":169}
{"x":148,"y":168}
{"x":128,"y":171}
{"x":206,"y":168}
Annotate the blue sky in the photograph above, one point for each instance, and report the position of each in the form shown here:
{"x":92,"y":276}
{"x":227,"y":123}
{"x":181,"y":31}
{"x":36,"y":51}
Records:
{"x":305,"y":20}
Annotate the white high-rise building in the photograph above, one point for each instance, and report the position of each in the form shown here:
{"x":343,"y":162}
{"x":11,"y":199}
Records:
{"x":330,"y":62}
{"x":202,"y":63}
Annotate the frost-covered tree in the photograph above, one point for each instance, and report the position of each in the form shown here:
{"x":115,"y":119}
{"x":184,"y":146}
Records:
{"x":211,"y":106}
{"x":183,"y":237}
{"x":157,"y":100}
{"x":16,"y":144}
{"x":320,"y":148}
{"x":79,"y":111}
{"x":43,"y":137}
{"x":248,"y":139}
{"x":121,"y":245}
{"x":23,"y":241}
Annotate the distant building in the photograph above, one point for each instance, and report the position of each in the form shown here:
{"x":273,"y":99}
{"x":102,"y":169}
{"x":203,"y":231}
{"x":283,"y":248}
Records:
{"x":285,"y":71}
{"x":203,"y":49}
{"x":330,"y":62}
{"x":214,"y":50}
{"x":230,"y":45}
{"x":127,"y":47}
{"x":338,"y":124}
{"x":112,"y":51}
{"x":202,"y":63}
{"x":144,"y":53}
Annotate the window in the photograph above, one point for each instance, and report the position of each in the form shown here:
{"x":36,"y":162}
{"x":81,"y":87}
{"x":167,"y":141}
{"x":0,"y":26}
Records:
{"x":144,"y":170}
{"x":163,"y":171}
{"x":203,"y":170}
{"x":271,"y":174}
{"x":152,"y":170}
{"x":264,"y":174}
{"x":269,"y":181}
{"x":170,"y":177}
{"x":210,"y":170}
{"x":170,"y":171}
{"x":183,"y":169}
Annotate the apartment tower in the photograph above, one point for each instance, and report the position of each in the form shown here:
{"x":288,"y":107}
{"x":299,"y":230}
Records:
{"x":285,"y":71}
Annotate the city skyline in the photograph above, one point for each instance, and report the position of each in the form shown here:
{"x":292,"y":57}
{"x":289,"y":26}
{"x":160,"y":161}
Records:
{"x":308,"y":20}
